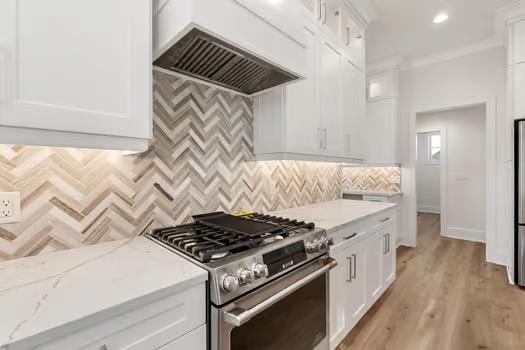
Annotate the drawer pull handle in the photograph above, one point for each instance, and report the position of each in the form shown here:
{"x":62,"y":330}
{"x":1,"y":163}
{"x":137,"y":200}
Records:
{"x":104,"y":347}
{"x":346,"y":238}
{"x":349,"y":279}
{"x":385,"y":219}
{"x":355,"y":266}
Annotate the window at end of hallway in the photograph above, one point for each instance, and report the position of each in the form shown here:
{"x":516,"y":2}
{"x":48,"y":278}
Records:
{"x":434,"y":148}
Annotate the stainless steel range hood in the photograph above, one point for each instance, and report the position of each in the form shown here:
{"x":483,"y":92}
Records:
{"x":202,"y":56}
{"x":222,"y":42}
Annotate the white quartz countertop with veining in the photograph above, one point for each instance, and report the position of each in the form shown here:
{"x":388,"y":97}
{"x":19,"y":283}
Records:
{"x":41,"y":293}
{"x":335,"y":215}
{"x":373,"y":193}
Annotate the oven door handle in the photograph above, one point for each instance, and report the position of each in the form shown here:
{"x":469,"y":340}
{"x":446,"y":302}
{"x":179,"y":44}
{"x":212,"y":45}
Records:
{"x":239,"y":316}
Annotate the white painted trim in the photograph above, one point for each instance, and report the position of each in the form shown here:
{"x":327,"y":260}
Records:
{"x":453,"y":54}
{"x":306,"y":157}
{"x":430,"y":209}
{"x":390,"y":64}
{"x":52,"y":138}
{"x":466,"y":234}
{"x":409,"y":180}
{"x":509,"y":275}
{"x":508,"y":14}
{"x":443,"y":180}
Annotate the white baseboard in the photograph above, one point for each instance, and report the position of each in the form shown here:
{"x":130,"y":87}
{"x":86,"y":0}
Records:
{"x":466,"y":234}
{"x":428,"y":209}
{"x":509,"y":276}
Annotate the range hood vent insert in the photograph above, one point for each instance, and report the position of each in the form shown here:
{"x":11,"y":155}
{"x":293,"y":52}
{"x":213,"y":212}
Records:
{"x":204,"y":57}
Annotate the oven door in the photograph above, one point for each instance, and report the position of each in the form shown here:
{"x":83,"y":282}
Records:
{"x":289,"y":313}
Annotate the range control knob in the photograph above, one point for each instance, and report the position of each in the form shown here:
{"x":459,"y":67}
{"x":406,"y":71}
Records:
{"x":245,"y":276}
{"x":260,"y":271}
{"x":311,"y":247}
{"x":324,"y":242}
{"x":229,"y":283}
{"x":314,"y":246}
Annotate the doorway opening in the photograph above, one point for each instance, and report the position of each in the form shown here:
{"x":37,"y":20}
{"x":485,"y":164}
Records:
{"x":450,"y":170}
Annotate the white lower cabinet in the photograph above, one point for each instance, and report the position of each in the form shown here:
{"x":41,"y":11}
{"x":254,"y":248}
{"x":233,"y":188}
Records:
{"x":347,"y":291}
{"x":365,"y":269}
{"x":176,"y":321}
{"x":389,"y":255}
{"x":374,"y":266}
{"x":194,"y":340}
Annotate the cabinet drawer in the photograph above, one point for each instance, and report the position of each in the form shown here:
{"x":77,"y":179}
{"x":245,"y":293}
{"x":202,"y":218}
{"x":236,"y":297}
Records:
{"x":348,"y":234}
{"x":378,"y":222}
{"x":156,"y":323}
{"x":195,"y":340}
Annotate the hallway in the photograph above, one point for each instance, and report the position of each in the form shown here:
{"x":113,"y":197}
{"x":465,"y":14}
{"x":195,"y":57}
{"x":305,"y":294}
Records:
{"x":445,"y":298}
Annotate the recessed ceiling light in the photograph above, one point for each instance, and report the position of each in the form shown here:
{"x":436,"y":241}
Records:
{"x":440,"y":18}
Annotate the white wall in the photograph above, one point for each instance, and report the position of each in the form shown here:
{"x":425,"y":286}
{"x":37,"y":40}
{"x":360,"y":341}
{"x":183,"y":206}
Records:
{"x":461,"y":81}
{"x":463,"y":155}
{"x":427,"y":175}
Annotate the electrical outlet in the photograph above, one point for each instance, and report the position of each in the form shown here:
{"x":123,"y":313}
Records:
{"x":9,"y":207}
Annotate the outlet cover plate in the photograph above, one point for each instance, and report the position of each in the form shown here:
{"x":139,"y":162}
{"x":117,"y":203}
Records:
{"x":10,"y":202}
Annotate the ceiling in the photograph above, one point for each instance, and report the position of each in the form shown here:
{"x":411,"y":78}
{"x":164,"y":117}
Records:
{"x":404,"y":28}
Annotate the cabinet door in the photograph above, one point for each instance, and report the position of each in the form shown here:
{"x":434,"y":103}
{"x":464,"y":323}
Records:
{"x":194,"y":340}
{"x":347,"y":291}
{"x":382,"y":86}
{"x":353,"y":39}
{"x":313,"y":8}
{"x":354,"y":110}
{"x":77,"y":66}
{"x":339,"y":296}
{"x":357,"y":297}
{"x":331,"y":17}
{"x":381,"y":127}
{"x":330,"y":100}
{"x":389,"y":255}
{"x":302,"y":112}
{"x":374,"y":267}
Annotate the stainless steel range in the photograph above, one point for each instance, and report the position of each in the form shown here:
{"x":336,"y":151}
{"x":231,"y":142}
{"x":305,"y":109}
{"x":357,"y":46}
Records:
{"x":268,"y":279}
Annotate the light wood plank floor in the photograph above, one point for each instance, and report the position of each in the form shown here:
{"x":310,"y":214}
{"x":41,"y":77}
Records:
{"x":445,"y":297}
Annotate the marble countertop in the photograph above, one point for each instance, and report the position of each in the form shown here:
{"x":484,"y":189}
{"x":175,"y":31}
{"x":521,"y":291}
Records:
{"x":41,"y":293}
{"x":373,"y":193}
{"x":335,"y":215}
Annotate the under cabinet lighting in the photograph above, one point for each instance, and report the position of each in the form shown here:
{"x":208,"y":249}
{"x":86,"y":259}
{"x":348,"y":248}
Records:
{"x":440,"y":18}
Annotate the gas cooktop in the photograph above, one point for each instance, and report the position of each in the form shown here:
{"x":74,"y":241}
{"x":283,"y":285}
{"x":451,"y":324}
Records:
{"x":217,"y":235}
{"x":242,"y":253}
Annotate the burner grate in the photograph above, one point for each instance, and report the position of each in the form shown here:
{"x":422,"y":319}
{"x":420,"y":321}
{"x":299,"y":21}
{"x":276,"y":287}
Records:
{"x":210,"y":242}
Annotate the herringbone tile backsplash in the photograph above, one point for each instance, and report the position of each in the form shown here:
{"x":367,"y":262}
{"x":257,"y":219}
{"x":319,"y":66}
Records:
{"x":372,"y":179}
{"x":201,"y":160}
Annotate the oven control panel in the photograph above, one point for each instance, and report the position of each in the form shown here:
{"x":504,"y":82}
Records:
{"x":244,"y":274}
{"x":285,"y":257}
{"x":231,"y":282}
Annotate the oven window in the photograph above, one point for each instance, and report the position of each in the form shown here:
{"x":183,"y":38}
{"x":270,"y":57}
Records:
{"x":298,"y":322}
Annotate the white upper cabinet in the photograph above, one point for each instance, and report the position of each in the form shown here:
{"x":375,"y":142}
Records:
{"x":381,"y":117}
{"x":323,"y":117}
{"x":76,"y":73}
{"x":301,"y":107}
{"x":310,"y":119}
{"x":336,"y":19}
{"x":382,"y":85}
{"x":330,"y":91}
{"x":354,"y":110}
{"x":331,"y":16}
{"x":353,"y":37}
{"x":382,"y":132}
